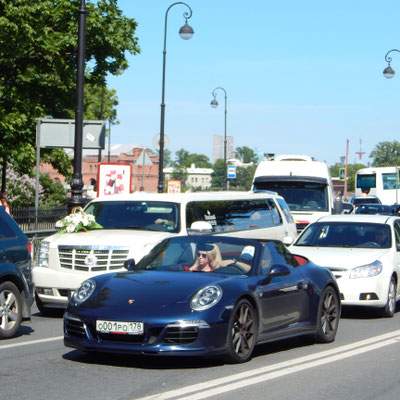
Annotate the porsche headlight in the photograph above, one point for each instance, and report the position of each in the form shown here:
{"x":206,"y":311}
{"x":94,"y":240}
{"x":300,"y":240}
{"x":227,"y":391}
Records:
{"x":84,"y":291}
{"x":206,"y":298}
{"x":366,"y":271}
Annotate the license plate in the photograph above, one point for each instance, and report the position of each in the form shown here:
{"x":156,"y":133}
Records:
{"x":120,"y":327}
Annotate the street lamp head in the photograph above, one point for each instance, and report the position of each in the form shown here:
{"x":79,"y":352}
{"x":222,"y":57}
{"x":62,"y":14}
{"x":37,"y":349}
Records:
{"x":186,"y":32}
{"x":388,"y":72}
{"x":214,"y":103}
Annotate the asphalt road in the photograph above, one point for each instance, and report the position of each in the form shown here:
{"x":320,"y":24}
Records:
{"x":362,"y":363}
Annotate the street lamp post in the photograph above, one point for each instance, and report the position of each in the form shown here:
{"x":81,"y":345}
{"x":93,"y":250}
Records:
{"x":214,"y":104}
{"x":388,"y":72}
{"x":77,"y":181}
{"x":186,"y":32}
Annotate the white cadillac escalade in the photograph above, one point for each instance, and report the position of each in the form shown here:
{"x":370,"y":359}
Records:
{"x":133,"y":224}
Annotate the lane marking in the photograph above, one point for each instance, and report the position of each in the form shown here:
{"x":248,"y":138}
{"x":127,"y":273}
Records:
{"x":52,"y":339}
{"x":276,"y":370}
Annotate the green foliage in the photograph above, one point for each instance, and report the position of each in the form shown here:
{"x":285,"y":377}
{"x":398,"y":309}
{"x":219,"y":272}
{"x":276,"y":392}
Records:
{"x":351,"y":173}
{"x":246,"y":154}
{"x":38,"y":60}
{"x":244,"y":178}
{"x":217,"y":176}
{"x":184,"y":158}
{"x":386,"y":154}
{"x":53,"y":193}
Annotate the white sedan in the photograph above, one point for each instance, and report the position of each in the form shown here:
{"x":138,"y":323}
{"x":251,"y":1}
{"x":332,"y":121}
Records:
{"x":362,"y":251}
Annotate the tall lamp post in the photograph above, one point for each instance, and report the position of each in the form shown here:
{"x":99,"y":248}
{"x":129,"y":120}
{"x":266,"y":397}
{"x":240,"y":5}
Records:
{"x":186,"y":32}
{"x":214,"y":104}
{"x":77,"y":181}
{"x":388,"y":72}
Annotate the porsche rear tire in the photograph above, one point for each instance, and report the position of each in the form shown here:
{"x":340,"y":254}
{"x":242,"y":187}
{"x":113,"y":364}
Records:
{"x":242,"y":332}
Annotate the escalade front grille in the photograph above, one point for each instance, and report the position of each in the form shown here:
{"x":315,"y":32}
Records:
{"x":92,"y":258}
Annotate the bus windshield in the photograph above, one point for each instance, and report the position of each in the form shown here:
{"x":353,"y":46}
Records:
{"x":300,"y":196}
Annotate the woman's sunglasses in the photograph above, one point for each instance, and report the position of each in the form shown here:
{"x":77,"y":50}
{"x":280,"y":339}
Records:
{"x":203,"y":255}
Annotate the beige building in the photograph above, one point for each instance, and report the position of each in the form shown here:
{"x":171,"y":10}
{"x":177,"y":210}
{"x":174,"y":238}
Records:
{"x":196,"y":177}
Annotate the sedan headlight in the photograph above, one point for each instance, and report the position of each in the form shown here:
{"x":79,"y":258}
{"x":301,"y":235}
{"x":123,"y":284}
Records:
{"x":43,"y":255}
{"x":366,"y":271}
{"x":84,"y":291}
{"x":206,"y":298}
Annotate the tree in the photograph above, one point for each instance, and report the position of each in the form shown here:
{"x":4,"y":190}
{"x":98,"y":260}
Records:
{"x":351,"y":173}
{"x":217,"y":176}
{"x":38,"y":60}
{"x":386,"y":154}
{"x":199,"y":160}
{"x":244,"y":178}
{"x":246,"y":154}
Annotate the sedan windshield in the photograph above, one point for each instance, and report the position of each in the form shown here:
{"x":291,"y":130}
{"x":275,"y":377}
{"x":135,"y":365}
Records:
{"x":346,"y":234}
{"x":125,"y":214}
{"x":229,"y":256}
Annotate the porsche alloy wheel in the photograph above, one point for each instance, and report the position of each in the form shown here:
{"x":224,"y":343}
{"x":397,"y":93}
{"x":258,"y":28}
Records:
{"x":328,"y":316}
{"x":10,"y":310}
{"x":390,"y":308}
{"x":242,"y":332}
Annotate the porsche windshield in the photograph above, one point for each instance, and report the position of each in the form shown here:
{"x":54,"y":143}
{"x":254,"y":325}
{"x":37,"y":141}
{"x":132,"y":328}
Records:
{"x":346,"y":234}
{"x":201,"y":254}
{"x":125,"y":214}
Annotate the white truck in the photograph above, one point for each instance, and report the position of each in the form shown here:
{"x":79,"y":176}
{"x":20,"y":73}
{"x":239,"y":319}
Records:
{"x":305,"y":184}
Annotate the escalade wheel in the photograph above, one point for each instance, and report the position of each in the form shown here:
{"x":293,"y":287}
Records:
{"x":10,"y":309}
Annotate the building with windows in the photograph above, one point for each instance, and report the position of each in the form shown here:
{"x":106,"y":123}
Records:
{"x":218,"y":147}
{"x":144,"y":166}
{"x":196,"y":177}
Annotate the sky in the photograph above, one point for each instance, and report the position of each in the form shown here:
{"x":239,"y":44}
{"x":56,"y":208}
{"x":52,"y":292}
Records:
{"x":301,"y":76}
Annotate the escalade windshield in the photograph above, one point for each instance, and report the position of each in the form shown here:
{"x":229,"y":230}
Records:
{"x":147,"y":215}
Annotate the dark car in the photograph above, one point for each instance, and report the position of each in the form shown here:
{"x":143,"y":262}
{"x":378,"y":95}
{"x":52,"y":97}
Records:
{"x":255,"y":291}
{"x":381,"y":209}
{"x":16,"y":287}
{"x":370,"y":199}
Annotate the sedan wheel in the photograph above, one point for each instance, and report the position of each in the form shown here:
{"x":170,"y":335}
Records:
{"x":328,"y":316}
{"x":390,"y":308}
{"x":10,"y":310}
{"x":242,"y":332}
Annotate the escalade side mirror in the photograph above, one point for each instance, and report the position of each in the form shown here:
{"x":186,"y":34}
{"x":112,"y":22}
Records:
{"x":200,"y":228}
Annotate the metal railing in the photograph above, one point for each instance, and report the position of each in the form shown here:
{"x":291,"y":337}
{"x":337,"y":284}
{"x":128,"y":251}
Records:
{"x":38,"y":223}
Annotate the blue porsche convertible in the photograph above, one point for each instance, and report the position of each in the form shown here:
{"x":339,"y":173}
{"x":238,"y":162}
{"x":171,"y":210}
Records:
{"x":204,"y":295}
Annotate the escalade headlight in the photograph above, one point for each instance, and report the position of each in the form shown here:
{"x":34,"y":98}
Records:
{"x":366,"y":271}
{"x":43,"y":255}
{"x":206,"y":298}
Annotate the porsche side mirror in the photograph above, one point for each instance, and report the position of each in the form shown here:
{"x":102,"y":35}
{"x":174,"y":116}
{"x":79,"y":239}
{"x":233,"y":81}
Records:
{"x":129,"y":264}
{"x":279,"y":270}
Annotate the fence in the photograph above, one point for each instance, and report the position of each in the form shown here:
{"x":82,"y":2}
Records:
{"x":38,"y":223}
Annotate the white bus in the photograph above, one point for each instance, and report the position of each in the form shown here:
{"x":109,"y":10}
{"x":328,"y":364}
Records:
{"x":305,"y":184}
{"x":380,"y":182}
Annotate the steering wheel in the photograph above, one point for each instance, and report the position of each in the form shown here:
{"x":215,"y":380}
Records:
{"x":236,"y":267}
